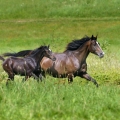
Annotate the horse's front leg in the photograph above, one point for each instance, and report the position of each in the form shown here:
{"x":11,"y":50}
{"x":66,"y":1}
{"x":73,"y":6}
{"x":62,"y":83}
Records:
{"x":25,"y":78}
{"x":35,"y":76}
{"x":88,"y":77}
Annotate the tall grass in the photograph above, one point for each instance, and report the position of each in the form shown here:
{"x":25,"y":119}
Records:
{"x":49,"y":100}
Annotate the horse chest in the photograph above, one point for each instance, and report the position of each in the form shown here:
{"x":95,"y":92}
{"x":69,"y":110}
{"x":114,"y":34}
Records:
{"x":83,"y":68}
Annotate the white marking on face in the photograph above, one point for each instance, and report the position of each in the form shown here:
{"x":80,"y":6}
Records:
{"x":100,"y":47}
{"x":25,"y":62}
{"x":97,"y":43}
{"x":49,"y":49}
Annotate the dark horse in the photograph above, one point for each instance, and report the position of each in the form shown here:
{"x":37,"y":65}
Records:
{"x":28,"y":65}
{"x":72,"y":62}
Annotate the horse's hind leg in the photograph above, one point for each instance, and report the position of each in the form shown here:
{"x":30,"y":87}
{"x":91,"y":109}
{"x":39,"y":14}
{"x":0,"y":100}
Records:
{"x":88,"y":77}
{"x":9,"y":71}
{"x":70,"y":78}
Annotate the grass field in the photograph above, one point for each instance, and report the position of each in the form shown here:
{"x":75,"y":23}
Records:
{"x":31,"y":9}
{"x":29,"y":24}
{"x":33,"y":101}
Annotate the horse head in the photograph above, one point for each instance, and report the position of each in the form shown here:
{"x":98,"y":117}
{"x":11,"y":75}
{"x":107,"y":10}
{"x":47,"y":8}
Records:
{"x":94,"y":47}
{"x":48,"y":53}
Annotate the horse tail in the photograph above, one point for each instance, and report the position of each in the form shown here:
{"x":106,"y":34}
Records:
{"x":19,"y":54}
{"x":1,"y":58}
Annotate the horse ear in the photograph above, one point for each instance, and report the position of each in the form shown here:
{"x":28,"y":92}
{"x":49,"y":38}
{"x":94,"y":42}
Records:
{"x":92,"y":37}
{"x":48,"y":46}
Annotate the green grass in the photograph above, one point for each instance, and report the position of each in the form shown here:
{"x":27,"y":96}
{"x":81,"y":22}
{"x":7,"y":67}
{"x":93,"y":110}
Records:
{"x":51,"y":100}
{"x":32,"y":34}
{"x":34,"y":9}
{"x":29,"y":24}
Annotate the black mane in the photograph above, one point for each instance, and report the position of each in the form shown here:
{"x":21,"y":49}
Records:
{"x":75,"y":44}
{"x":40,"y":49}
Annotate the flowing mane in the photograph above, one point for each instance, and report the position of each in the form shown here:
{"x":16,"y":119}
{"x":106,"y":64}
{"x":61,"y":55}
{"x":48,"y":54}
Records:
{"x":75,"y":44}
{"x":35,"y":51}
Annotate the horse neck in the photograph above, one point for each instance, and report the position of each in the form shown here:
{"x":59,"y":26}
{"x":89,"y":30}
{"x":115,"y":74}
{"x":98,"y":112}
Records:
{"x":38,"y":56}
{"x":82,"y":53}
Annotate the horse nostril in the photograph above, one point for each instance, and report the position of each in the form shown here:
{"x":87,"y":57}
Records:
{"x":101,"y":55}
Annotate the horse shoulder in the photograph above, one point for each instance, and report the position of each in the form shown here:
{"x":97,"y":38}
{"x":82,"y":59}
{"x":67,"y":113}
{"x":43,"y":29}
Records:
{"x":73,"y":62}
{"x":46,"y":63}
{"x":29,"y":62}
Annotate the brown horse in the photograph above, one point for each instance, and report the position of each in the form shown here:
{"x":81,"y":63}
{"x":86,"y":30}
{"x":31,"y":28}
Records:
{"x":26,"y":66}
{"x":72,"y":62}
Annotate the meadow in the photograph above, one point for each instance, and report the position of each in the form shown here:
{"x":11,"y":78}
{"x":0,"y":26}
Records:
{"x":29,"y":24}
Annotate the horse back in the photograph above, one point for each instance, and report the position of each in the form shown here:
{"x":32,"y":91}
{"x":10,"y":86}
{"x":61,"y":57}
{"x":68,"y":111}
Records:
{"x":18,"y":64}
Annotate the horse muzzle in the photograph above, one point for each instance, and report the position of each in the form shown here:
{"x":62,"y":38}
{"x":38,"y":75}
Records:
{"x":101,"y":55}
